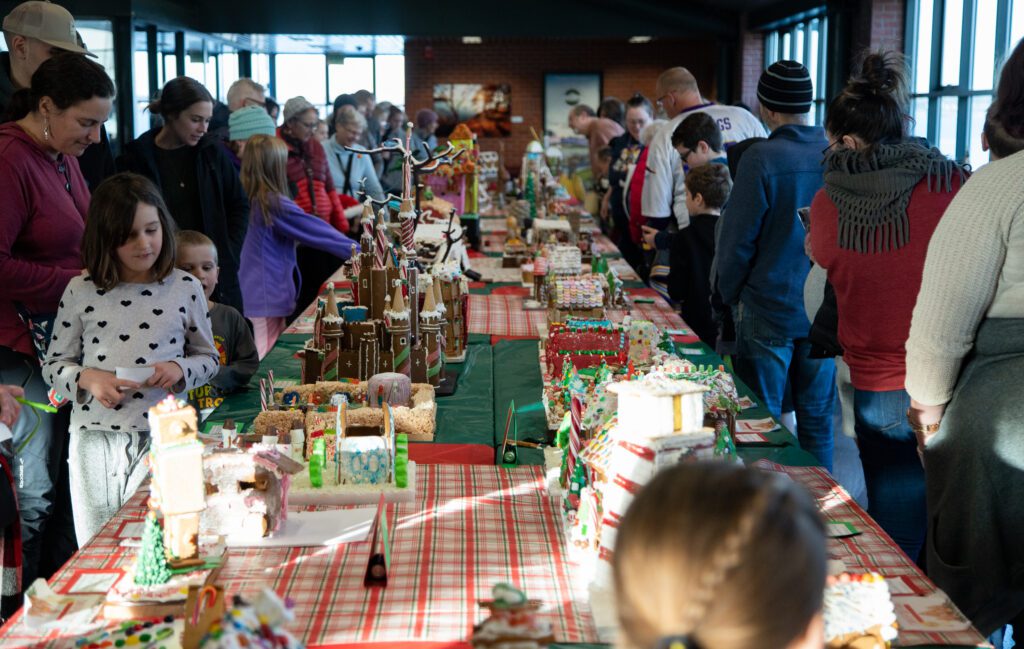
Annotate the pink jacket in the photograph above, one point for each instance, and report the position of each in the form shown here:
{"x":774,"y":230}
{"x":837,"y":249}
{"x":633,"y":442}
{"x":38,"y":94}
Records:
{"x":44,"y":203}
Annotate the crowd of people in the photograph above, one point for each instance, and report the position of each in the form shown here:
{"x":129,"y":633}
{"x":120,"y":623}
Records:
{"x":186,"y":256}
{"x":849,"y":262}
{"x":854,"y":264}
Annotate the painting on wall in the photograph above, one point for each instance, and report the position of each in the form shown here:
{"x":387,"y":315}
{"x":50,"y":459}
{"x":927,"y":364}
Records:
{"x":563,"y":91}
{"x":485,"y":109}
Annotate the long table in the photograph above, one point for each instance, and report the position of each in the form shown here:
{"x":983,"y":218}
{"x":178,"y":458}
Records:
{"x":474,"y":524}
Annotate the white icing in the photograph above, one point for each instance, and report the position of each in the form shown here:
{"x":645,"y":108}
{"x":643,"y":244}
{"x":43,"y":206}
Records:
{"x":856,"y":606}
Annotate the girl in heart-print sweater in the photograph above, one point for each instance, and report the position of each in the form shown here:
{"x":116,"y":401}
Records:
{"x":132,"y":309}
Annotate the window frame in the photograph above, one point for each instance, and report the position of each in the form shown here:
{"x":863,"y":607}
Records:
{"x":965,"y":90}
{"x":797,"y":29}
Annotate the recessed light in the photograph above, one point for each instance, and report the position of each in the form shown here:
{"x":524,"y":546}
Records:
{"x":472,"y":40}
{"x":639,"y":39}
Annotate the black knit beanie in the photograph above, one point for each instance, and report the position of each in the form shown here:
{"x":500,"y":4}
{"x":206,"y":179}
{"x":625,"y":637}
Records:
{"x":785,"y":87}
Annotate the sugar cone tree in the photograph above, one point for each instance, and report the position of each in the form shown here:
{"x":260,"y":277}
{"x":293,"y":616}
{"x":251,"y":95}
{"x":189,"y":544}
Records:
{"x":151,"y":567}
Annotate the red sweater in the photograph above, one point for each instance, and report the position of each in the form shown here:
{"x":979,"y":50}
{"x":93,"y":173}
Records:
{"x":876,"y":292}
{"x":41,"y":231}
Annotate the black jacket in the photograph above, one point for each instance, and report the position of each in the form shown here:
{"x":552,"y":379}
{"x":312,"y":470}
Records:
{"x":97,"y":163}
{"x":224,"y":204}
{"x":689,"y":279}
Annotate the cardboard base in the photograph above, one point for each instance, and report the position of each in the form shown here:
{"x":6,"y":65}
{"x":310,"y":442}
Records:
{"x":449,"y":383}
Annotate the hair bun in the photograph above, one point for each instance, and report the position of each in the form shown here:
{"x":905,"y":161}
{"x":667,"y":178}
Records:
{"x":882,"y":73}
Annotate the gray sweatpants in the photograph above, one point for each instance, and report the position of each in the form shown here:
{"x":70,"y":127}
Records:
{"x":106,"y":468}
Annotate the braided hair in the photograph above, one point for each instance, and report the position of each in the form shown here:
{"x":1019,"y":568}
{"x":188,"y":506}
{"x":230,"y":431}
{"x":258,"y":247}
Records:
{"x":718,"y":556}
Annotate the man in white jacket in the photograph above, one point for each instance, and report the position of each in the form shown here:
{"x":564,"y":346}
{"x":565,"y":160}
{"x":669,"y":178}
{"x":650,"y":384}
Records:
{"x":664,"y":193}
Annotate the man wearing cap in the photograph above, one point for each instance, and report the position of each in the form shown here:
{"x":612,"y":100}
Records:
{"x":761,"y":261}
{"x":35,"y":31}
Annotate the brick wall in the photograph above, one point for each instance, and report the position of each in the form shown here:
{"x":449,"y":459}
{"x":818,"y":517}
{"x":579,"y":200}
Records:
{"x":751,"y":66}
{"x":522,"y":63}
{"x":887,"y":18}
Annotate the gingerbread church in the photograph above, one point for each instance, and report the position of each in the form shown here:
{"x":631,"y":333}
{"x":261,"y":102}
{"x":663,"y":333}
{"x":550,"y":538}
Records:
{"x":380,"y":333}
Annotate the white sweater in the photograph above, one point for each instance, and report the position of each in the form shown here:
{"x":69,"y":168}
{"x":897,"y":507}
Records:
{"x":974,"y":270}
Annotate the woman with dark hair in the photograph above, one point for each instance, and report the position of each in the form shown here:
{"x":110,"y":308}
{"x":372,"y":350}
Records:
{"x":626,"y":149}
{"x":195,"y":175}
{"x":870,"y":226}
{"x":44,"y":199}
{"x":965,"y":358}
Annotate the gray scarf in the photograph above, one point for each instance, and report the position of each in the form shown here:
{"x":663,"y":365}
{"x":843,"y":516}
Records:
{"x":872,"y":191}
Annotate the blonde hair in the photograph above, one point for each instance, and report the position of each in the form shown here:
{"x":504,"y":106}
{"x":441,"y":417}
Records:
{"x":264,"y":173}
{"x":685,"y":563}
{"x":194,"y":238}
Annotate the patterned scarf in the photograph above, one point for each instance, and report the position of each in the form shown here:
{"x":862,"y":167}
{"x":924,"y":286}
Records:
{"x":872,"y":191}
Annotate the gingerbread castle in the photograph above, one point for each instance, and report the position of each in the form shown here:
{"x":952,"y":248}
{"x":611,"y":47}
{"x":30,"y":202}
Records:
{"x":380,"y":333}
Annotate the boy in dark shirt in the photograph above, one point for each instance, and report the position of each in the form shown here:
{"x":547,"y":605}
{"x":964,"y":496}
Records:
{"x":196,"y":254}
{"x":692,"y":249}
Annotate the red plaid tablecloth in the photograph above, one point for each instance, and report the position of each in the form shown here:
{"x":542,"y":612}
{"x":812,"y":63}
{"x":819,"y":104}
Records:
{"x":472,"y":527}
{"x":502,"y":314}
{"x":873,"y":551}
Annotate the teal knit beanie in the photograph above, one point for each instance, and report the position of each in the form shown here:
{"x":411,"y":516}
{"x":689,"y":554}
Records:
{"x":248,"y":121}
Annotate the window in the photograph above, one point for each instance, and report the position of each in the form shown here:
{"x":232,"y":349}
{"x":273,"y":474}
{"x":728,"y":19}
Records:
{"x":389,"y":78}
{"x":302,"y":74}
{"x":806,"y":43}
{"x":955,"y":48}
{"x":98,"y":36}
{"x":352,"y":74}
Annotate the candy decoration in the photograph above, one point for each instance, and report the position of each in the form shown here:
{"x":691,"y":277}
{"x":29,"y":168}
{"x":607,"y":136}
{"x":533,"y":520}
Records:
{"x":573,"y":450}
{"x":316,"y":462}
{"x":401,"y":460}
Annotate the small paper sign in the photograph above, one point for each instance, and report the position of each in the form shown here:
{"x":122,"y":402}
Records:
{"x":840,"y":530}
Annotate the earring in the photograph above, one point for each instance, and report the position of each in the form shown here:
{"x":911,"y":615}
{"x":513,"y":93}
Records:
{"x":46,"y":129}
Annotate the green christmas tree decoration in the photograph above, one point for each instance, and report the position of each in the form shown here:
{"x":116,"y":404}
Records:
{"x":151,"y":568}
{"x":530,"y":194}
{"x":724,"y":445}
{"x":604,"y":373}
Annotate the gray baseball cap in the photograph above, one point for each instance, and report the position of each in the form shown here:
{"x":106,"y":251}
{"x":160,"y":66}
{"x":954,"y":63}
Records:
{"x":47,"y":22}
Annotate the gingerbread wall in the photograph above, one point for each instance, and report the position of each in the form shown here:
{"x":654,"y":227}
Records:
{"x":626,"y":68}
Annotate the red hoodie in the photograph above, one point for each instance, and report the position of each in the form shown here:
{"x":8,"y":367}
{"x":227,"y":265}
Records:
{"x":876,"y":292}
{"x":309,"y":172}
{"x":40,"y":231}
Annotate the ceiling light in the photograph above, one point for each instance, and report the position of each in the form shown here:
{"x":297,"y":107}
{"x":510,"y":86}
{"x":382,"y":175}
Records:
{"x":472,"y":40}
{"x":639,"y":39}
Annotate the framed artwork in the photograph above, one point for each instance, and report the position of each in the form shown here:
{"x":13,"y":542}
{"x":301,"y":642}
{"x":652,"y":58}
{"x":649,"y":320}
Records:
{"x":485,"y":109}
{"x":563,"y":91}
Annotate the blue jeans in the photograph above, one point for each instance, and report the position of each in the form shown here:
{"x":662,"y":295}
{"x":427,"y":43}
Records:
{"x":766,"y":359}
{"x":33,"y":481}
{"x":892,"y":469}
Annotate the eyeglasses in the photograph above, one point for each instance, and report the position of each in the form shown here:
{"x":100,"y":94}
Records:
{"x":309,"y":126}
{"x":829,"y":147}
{"x":685,"y":154}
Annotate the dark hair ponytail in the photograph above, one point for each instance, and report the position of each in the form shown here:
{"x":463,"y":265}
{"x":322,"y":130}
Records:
{"x":178,"y":94}
{"x":873,"y":104}
{"x":1009,"y":104}
{"x":66,"y":79}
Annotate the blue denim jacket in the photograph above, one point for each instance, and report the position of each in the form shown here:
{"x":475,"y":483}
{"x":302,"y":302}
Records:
{"x":760,"y":248}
